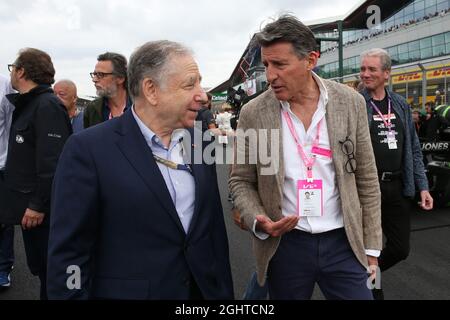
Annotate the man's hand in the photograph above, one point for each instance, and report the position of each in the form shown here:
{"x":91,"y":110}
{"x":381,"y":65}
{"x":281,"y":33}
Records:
{"x":32,"y":219}
{"x":373,"y":263}
{"x":276,"y":229}
{"x":427,"y":200}
{"x":373,"y":267}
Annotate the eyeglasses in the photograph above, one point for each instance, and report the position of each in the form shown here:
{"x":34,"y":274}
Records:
{"x":10,"y":67}
{"x":100,"y":75}
{"x":348,"y":148}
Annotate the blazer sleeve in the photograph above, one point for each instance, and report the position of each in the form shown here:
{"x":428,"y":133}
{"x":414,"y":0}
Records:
{"x":74,"y":222}
{"x":243,"y":181}
{"x":52,"y":128}
{"x":367,"y":181}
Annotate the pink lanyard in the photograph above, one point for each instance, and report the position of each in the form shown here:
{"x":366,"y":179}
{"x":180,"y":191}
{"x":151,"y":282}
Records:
{"x":388,"y":123}
{"x":308,"y":162}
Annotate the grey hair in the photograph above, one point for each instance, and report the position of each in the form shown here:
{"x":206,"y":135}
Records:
{"x":67,"y":82}
{"x":151,"y":60}
{"x":385,"y":59}
{"x":287,"y":28}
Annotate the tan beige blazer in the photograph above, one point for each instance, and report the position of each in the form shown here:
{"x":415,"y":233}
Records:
{"x":256,"y":192}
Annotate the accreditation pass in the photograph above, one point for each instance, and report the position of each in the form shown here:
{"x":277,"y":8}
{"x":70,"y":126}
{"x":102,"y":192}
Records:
{"x":309,"y":198}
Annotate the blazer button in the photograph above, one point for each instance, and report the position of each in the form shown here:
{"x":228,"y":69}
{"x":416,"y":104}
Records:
{"x":186,"y":282}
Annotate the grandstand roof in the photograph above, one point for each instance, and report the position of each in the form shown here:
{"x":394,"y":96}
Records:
{"x":354,"y":19}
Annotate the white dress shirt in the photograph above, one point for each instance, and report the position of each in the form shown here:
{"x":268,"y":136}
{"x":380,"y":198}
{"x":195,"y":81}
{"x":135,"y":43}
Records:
{"x":323,"y":169}
{"x":180,"y":183}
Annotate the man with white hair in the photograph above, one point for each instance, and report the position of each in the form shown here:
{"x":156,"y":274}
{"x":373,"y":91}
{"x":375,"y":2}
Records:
{"x":149,"y":224}
{"x":398,"y":157}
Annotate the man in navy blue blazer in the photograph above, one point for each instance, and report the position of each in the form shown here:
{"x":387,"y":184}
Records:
{"x":132,"y":217}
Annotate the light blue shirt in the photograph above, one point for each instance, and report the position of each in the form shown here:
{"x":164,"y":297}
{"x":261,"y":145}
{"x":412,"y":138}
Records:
{"x":6,"y":111}
{"x":180,"y":183}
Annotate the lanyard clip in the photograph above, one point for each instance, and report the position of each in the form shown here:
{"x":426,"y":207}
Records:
{"x":309,"y":178}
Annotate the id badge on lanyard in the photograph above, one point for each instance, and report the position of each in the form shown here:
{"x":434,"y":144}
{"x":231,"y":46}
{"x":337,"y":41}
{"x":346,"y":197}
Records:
{"x":309,"y":191}
{"x":223,"y":139}
{"x":310,"y":198}
{"x":391,"y":140}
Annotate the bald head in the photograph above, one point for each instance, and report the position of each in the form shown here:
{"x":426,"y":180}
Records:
{"x":66,"y":91}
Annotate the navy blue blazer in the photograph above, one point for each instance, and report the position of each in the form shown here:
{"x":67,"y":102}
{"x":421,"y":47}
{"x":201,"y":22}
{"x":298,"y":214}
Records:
{"x":113,"y":217}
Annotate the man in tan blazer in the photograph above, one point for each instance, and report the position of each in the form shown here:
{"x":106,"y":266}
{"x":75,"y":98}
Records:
{"x":317,"y":140}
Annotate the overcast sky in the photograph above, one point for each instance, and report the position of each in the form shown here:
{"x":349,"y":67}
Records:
{"x":74,"y":32}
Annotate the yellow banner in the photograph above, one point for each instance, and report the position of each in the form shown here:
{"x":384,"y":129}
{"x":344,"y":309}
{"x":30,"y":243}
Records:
{"x":417,"y":76}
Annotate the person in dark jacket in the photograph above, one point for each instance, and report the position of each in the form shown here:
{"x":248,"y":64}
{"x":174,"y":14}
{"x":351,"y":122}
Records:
{"x":148,"y":225}
{"x":110,"y":80}
{"x":398,"y":158}
{"x":40,"y":126}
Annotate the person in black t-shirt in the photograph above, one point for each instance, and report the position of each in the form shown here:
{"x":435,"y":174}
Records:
{"x":379,"y":130}
{"x":398,"y":157}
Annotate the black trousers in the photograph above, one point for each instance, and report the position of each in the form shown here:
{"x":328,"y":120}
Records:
{"x":36,"y":242}
{"x":396,"y":223}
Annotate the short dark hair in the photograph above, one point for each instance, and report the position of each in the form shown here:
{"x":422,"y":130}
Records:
{"x":37,"y":66}
{"x":119,"y":63}
{"x":287,"y":28}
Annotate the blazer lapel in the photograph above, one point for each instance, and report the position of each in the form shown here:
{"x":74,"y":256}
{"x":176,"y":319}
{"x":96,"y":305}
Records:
{"x":337,"y":118}
{"x":198,"y":173}
{"x":134,"y":147}
{"x":270,"y":117}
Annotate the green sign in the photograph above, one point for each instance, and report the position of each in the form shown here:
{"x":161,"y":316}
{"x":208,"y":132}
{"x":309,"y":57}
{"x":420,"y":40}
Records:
{"x":219,"y":96}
